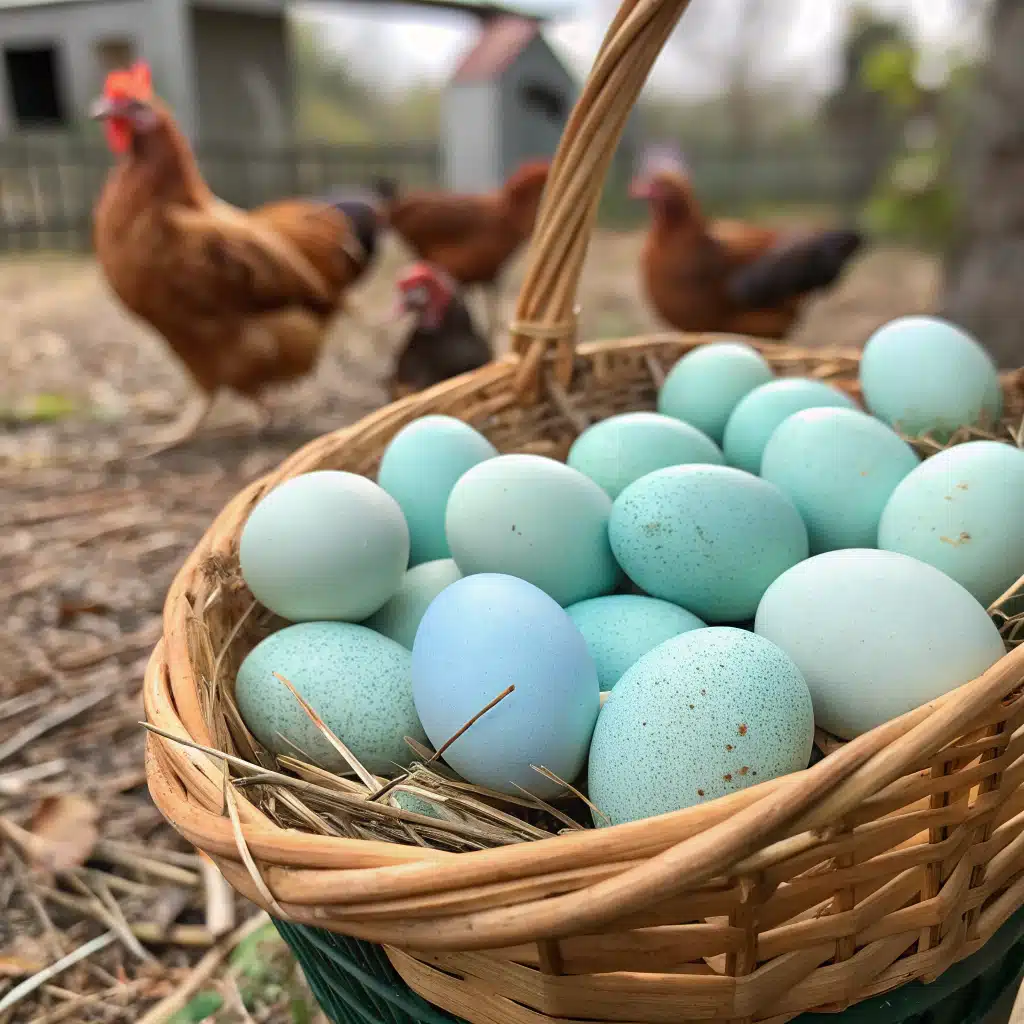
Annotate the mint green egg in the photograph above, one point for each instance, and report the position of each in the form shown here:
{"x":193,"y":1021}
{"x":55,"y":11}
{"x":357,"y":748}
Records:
{"x":701,"y":716}
{"x":357,"y":681}
{"x":960,"y":511}
{"x":755,"y":418}
{"x":621,"y":628}
{"x":400,"y":617}
{"x":621,"y":449}
{"x":704,"y":386}
{"x":923,"y":374}
{"x":540,"y":520}
{"x":420,"y":467}
{"x":838,"y":466}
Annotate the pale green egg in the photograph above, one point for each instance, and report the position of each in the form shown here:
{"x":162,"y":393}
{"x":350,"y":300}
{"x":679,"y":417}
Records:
{"x":961,"y":511}
{"x":621,"y":449}
{"x":420,"y":467}
{"x":838,"y":466}
{"x":400,"y":617}
{"x":923,"y":374}
{"x":701,"y":716}
{"x":535,"y":518}
{"x":621,"y":628}
{"x":755,"y":418}
{"x":876,"y":634}
{"x":324,"y":545}
{"x":705,"y":385}
{"x":357,"y":681}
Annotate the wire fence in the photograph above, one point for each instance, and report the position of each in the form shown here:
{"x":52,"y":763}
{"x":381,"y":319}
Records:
{"x":49,"y":185}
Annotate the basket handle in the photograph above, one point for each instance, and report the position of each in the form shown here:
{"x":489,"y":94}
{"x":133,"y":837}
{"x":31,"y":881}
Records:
{"x":545,"y":314}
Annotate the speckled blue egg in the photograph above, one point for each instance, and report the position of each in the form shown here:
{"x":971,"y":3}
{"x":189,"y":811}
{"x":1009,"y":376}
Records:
{"x":922,"y":374}
{"x":960,"y":511}
{"x":478,"y":637}
{"x":621,"y":628}
{"x":420,"y":467}
{"x":755,"y":418}
{"x":708,"y":538}
{"x":359,"y":682}
{"x":838,"y":466}
{"x":324,"y":545}
{"x":535,"y":518}
{"x":876,"y":634}
{"x":702,"y":715}
{"x":400,"y":617}
{"x":621,"y":449}
{"x":705,"y":385}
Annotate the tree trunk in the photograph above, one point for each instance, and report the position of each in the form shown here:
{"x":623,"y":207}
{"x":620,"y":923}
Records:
{"x":984,"y":290}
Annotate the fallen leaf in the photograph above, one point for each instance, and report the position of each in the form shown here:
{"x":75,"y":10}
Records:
{"x":19,"y":966}
{"x":61,"y":833}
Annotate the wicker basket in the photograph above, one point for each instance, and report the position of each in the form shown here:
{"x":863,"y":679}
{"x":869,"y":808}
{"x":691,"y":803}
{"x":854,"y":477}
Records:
{"x":888,"y":861}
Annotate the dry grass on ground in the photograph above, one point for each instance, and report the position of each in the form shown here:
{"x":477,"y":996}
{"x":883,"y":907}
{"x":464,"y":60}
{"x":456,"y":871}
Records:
{"x":88,"y":546}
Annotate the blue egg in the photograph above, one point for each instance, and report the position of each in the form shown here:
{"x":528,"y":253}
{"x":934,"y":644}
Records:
{"x":535,"y":518}
{"x":400,"y":617}
{"x":838,"y":466}
{"x":701,"y":716}
{"x":478,"y":637}
{"x":324,"y":545}
{"x":960,"y":511}
{"x":420,"y":467}
{"x":755,"y":418}
{"x":922,"y":374}
{"x":621,"y":628}
{"x":621,"y":449}
{"x":705,"y":385}
{"x":709,"y":538}
{"x":357,"y":681}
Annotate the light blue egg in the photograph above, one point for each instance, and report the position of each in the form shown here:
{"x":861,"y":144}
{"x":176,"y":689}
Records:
{"x":535,"y":518}
{"x":702,"y":715}
{"x":755,"y":418}
{"x":708,"y":538}
{"x":621,"y":628}
{"x":419,"y":468}
{"x":400,"y":617}
{"x":478,"y":637}
{"x":876,"y":634}
{"x":838,"y":466}
{"x":357,"y":681}
{"x":960,"y":511}
{"x":324,"y":545}
{"x":923,"y":374}
{"x":621,"y":449}
{"x":705,"y":385}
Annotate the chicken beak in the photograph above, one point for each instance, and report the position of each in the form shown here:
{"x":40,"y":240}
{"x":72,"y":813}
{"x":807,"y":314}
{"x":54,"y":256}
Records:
{"x":101,"y":108}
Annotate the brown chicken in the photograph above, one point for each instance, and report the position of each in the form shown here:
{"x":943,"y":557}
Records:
{"x":444,"y":341}
{"x":471,"y":237}
{"x":243,"y":299}
{"x":728,"y":275}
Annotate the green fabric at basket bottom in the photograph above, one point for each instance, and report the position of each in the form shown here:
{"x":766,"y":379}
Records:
{"x":355,"y":983}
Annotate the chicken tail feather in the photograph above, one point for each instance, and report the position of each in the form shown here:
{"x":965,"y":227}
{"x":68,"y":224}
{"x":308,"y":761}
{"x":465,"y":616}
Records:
{"x":801,"y":267}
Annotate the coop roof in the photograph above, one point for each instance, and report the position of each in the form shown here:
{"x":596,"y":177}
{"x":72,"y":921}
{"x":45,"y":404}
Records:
{"x":500,"y":42}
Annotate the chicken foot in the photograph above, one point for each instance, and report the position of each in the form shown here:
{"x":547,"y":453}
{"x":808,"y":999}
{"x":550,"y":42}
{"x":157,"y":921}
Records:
{"x":183,"y":428}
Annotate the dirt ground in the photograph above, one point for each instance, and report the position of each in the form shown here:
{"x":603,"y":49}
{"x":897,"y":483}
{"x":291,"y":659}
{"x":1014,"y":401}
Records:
{"x":88,"y":546}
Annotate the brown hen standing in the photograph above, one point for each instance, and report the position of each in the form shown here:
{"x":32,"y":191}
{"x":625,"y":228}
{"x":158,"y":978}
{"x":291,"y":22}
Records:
{"x":243,"y":299}
{"x":729,"y":275}
{"x":470,"y":237}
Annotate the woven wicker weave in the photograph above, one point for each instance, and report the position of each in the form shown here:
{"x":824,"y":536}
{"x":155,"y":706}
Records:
{"x":899,"y":854}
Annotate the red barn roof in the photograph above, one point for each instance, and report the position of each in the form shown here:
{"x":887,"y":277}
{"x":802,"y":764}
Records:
{"x":501,"y":41}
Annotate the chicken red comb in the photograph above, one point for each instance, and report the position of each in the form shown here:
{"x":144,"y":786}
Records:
{"x":134,"y":83}
{"x":423,"y":272}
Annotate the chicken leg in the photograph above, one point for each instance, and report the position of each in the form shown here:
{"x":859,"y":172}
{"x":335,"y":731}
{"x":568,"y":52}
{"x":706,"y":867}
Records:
{"x":183,"y":428}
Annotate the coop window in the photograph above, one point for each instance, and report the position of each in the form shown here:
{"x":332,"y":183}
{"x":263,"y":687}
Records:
{"x":34,"y":85}
{"x":543,"y":99}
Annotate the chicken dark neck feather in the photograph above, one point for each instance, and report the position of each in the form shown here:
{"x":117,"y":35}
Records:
{"x":163,"y":164}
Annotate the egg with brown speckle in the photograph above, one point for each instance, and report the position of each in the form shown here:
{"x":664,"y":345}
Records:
{"x":702,"y":715}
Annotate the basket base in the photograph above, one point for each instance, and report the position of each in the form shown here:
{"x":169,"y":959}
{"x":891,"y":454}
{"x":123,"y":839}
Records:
{"x":355,"y":983}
